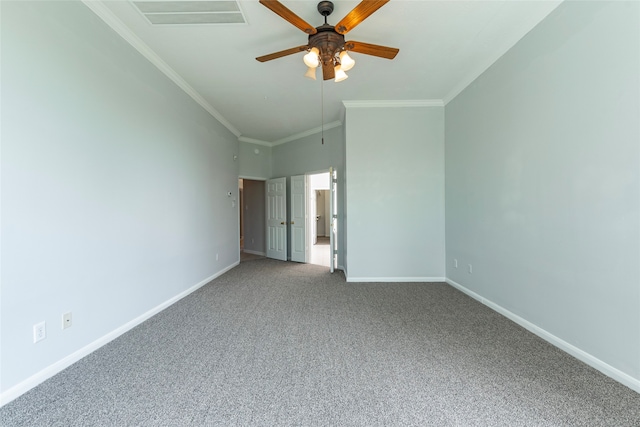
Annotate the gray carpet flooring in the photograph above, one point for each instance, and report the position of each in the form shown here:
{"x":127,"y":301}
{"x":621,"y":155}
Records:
{"x":284,"y":344}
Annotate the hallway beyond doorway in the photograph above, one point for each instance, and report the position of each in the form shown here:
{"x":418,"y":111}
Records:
{"x":320,"y":252}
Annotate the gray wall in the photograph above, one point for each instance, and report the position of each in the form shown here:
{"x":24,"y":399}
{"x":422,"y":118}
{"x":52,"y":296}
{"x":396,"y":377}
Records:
{"x":308,"y":155}
{"x":114,"y":187}
{"x":542,"y":181}
{"x":254,"y":160}
{"x":254,"y":216}
{"x":395,"y":193}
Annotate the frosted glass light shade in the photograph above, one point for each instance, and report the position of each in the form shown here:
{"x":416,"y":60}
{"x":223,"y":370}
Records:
{"x":312,"y":59}
{"x":311,"y":73}
{"x":340,"y":74}
{"x":346,"y":61}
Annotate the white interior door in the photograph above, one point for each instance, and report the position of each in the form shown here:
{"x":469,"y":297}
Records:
{"x":276,"y":201}
{"x":333,"y":224}
{"x":298,"y":218}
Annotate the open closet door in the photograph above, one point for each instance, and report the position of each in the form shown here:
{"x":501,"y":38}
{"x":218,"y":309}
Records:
{"x":276,"y":204}
{"x":333,"y":225}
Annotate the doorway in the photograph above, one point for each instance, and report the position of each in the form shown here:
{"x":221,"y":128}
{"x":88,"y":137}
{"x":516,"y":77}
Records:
{"x":319,"y":219}
{"x":252,"y":221}
{"x":301,"y":217}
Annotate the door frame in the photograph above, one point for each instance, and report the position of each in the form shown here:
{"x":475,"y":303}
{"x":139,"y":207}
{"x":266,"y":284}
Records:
{"x":333,"y":221}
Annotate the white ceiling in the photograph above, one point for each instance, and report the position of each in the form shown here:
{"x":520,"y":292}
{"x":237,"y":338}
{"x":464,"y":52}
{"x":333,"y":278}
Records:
{"x":444,"y":45}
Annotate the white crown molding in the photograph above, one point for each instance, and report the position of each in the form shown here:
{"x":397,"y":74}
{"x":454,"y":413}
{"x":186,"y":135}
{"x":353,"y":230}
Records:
{"x":475,"y":73}
{"x":394,"y":104}
{"x":605,"y":368}
{"x":307,"y":133}
{"x":119,"y":27}
{"x":462,"y":85}
{"x":254,"y":141}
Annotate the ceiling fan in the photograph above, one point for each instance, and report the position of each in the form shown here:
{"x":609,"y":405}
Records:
{"x":326,"y":44}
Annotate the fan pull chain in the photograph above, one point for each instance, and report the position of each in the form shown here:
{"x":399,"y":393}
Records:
{"x":322,"y":107}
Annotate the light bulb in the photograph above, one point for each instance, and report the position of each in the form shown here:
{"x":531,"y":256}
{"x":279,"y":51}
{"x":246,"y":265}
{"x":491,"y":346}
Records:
{"x":311,"y":73}
{"x":312,"y":59}
{"x":340,"y":74}
{"x":346,"y":61}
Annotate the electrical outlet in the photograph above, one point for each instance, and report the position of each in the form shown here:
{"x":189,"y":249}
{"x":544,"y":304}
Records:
{"x":455,"y":263}
{"x":470,"y":269}
{"x":66,"y":320}
{"x":39,"y":331}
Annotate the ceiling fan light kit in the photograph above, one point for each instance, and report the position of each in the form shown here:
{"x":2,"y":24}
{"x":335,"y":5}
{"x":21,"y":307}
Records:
{"x":312,"y":59}
{"x":326,"y":45}
{"x":346,"y":61}
{"x":340,"y":74}
{"x":311,"y":73}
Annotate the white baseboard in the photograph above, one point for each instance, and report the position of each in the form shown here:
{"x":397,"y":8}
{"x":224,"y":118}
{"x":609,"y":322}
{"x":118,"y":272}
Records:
{"x":394,"y":279}
{"x":51,"y":370}
{"x":247,"y":251}
{"x":594,"y":362}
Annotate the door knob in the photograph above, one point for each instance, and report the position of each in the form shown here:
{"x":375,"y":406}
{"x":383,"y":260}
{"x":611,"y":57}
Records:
{"x":282,"y":223}
{"x":292,"y":222}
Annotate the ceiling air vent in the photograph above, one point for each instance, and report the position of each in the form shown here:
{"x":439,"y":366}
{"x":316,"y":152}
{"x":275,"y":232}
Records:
{"x":191,"y":12}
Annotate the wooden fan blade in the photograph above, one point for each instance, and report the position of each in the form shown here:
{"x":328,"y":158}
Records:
{"x":282,"y":53}
{"x":358,"y":14}
{"x":281,"y":10}
{"x":328,"y":71}
{"x":372,"y":49}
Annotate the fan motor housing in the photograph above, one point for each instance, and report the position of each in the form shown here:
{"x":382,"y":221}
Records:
{"x":327,"y":41}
